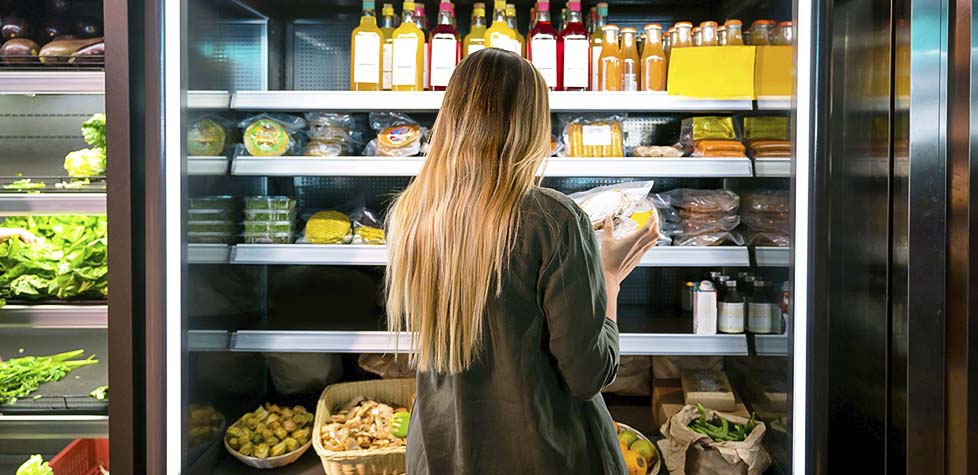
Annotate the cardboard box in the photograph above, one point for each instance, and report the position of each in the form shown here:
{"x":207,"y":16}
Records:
{"x":712,"y":72}
{"x":774,"y":71}
{"x":667,"y":399}
{"x":710,"y":388}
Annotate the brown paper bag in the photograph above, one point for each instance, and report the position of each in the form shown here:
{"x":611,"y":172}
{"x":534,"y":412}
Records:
{"x":689,"y":453}
{"x":387,"y":366}
{"x":634,"y":377}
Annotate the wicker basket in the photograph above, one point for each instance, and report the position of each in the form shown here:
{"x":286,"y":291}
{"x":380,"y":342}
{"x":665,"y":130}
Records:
{"x":386,"y":461}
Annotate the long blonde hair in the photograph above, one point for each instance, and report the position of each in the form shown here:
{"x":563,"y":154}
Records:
{"x":451,"y":231}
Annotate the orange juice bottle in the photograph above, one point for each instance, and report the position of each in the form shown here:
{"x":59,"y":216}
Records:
{"x":407,"y":72}
{"x":476,"y":39}
{"x":610,"y":61}
{"x":597,"y":36}
{"x":630,"y":64}
{"x":697,"y":36}
{"x":708,"y":34}
{"x":722,"y":35}
{"x":511,"y":22}
{"x":735,"y":36}
{"x":500,"y":35}
{"x":668,"y":40}
{"x":760,"y":33}
{"x":367,"y":58}
{"x":684,"y":37}
{"x":653,"y":59}
{"x":388,"y":22}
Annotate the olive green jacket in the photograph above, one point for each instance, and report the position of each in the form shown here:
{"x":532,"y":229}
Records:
{"x":532,"y":403}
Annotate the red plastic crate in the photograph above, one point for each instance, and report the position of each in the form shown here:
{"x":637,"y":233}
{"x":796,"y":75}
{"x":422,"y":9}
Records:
{"x":82,"y":457}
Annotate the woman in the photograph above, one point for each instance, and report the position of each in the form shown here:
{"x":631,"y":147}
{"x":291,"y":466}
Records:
{"x":510,"y":302}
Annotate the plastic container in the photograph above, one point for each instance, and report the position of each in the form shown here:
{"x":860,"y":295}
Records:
{"x":216,"y":214}
{"x":222,"y":202}
{"x":82,"y":457}
{"x":269,"y":238}
{"x":253,"y":227}
{"x":211,"y":238}
{"x":269,"y":215}
{"x":269,"y":203}
{"x":228,"y":227}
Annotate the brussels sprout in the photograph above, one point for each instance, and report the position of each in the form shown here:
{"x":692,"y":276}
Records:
{"x":247,"y":449}
{"x":261,"y":428}
{"x":262,"y":451}
{"x":291,"y":444}
{"x":236,"y":433}
{"x":261,"y":413}
{"x":256,"y":438}
{"x":278,"y":449}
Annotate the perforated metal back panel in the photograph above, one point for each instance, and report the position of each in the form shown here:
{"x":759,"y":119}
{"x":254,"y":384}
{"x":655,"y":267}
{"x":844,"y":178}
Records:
{"x":321,"y":54}
{"x":37,"y":132}
{"x":229,"y":55}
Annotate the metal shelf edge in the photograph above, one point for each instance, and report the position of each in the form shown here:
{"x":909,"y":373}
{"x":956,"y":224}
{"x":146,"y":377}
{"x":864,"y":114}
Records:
{"x":772,"y":167}
{"x":208,"y":340}
{"x":54,"y":316}
{"x":208,"y":100}
{"x":207,"y":166}
{"x":208,"y":253}
{"x":770,"y":256}
{"x":52,"y":82}
{"x":53,"y":427}
{"x":52,"y":203}
{"x":771,"y":345}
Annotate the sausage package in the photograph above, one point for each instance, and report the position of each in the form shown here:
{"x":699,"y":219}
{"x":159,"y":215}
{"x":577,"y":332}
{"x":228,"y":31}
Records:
{"x":593,"y":136}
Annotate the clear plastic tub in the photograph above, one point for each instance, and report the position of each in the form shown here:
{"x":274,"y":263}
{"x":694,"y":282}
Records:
{"x":269,"y":238}
{"x":222,"y":202}
{"x":270,"y":214}
{"x":211,"y":238}
{"x":228,"y":227}
{"x":214,"y":214}
{"x":269,"y":227}
{"x":269,"y":203}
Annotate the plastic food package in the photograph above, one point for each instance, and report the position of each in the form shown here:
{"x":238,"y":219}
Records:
{"x":708,"y":239}
{"x":255,"y":227}
{"x":220,"y":202}
{"x":272,"y":135}
{"x":269,"y":238}
{"x":594,"y":136}
{"x":718,"y":148}
{"x":208,"y":136}
{"x":329,"y":227}
{"x":768,"y":239}
{"x":703,"y":201}
{"x":695,"y":129}
{"x":269,"y":203}
{"x":699,"y":223}
{"x":387,"y":365}
{"x":767,"y":222}
{"x":269,"y":214}
{"x":367,"y":229}
{"x":332,"y":134}
{"x":398,"y":135}
{"x":618,"y":201}
{"x":766,"y":201}
{"x":657,"y":151}
{"x":765,"y":128}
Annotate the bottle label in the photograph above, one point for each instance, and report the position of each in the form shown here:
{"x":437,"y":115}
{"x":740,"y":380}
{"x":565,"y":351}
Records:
{"x":629,"y":81}
{"x":473,"y":47}
{"x":497,"y":40}
{"x":595,"y":68}
{"x":388,"y":65}
{"x":366,"y":66}
{"x":404,"y":70}
{"x":425,"y":75}
{"x":759,"y":317}
{"x":596,"y":135}
{"x":730,"y":318}
{"x":444,"y":51}
{"x":576,"y":63}
{"x":545,"y":59}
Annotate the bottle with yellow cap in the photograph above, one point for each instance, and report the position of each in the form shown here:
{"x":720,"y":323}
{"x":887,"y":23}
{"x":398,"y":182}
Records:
{"x":500,"y":35}
{"x":367,"y":58}
{"x":610,"y":61}
{"x":408,"y":53}
{"x":388,"y":23}
{"x":630,"y":65}
{"x":597,"y":36}
{"x":653,"y":59}
{"x":511,"y":22}
{"x":476,"y":39}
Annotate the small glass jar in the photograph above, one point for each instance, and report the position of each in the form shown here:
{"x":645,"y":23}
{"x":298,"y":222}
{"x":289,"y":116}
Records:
{"x":785,"y":34}
{"x":734,"y":35}
{"x":697,"y":36}
{"x":708,"y":34}
{"x":760,"y":33}
{"x":722,"y":35}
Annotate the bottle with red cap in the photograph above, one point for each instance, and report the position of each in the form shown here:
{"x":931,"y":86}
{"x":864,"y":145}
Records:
{"x":541,"y":49}
{"x":446,"y":49}
{"x":574,"y":52}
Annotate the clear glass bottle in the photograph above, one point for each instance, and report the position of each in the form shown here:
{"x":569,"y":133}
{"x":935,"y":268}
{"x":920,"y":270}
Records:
{"x":631,"y":66}
{"x":499,"y":34}
{"x":511,"y":22}
{"x":421,"y":19}
{"x":597,"y":36}
{"x":668,"y":39}
{"x":722,"y":35}
{"x":735,"y":36}
{"x":408,"y":53}
{"x":708,"y":34}
{"x":476,"y":39}
{"x":610,"y":61}
{"x":542,"y":45}
{"x":388,"y":23}
{"x":786,"y":34}
{"x":684,"y":35}
{"x":761,"y":310}
{"x":367,"y":58}
{"x":760,"y":33}
{"x":446,"y":49}
{"x":573,"y":52}
{"x":653,"y":59}
{"x":730,"y":312}
{"x":697,"y":36}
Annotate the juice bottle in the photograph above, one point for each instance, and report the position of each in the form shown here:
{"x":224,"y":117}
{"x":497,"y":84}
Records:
{"x":786,"y":34}
{"x":653,"y":59}
{"x":573,"y":52}
{"x":533,"y":18}
{"x":668,"y":39}
{"x":446,"y":49}
{"x":600,"y":20}
{"x":367,"y":59}
{"x":734,"y":35}
{"x":708,"y":34}
{"x":511,"y":22}
{"x":610,"y":61}
{"x":760,"y":32}
{"x":542,"y":46}
{"x":388,"y":23}
{"x":684,"y":38}
{"x":421,"y":20}
{"x":697,"y":36}
{"x":407,"y":72}
{"x":476,"y":39}
{"x":630,"y":64}
{"x":500,"y":35}
{"x":722,"y":35}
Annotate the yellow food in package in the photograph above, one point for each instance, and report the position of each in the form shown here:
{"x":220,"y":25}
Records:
{"x":368,"y":235}
{"x":766,"y":128}
{"x":594,"y":138}
{"x":329,"y":227}
{"x":713,"y":128}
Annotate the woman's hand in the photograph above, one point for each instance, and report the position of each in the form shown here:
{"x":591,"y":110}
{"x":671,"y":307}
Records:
{"x":620,"y":256}
{"x":22,"y":234}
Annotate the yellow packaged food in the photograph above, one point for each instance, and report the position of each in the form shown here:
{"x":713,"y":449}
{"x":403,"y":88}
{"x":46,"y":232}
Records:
{"x":594,"y":138}
{"x":329,"y":227}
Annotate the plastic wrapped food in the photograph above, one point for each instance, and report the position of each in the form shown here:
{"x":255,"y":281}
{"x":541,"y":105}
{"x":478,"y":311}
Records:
{"x":695,"y":129}
{"x":224,"y":203}
{"x":204,"y":214}
{"x":207,"y":137}
{"x":618,"y":201}
{"x":767,"y":222}
{"x":768,"y":239}
{"x":228,"y":227}
{"x":272,"y":135}
{"x":698,"y":223}
{"x":254,"y":227}
{"x":708,"y":239}
{"x":329,"y":227}
{"x":398,"y":135}
{"x":704,"y":201}
{"x":269,"y":203}
{"x":594,"y":137}
{"x":269,"y":238}
{"x":765,"y":128}
{"x":766,"y":201}
{"x":771,"y":148}
{"x":269,"y":214}
{"x":332,"y":134}
{"x":657,"y":151}
{"x":367,"y":229}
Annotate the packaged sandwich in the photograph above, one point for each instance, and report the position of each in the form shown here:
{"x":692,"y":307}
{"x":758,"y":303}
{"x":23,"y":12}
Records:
{"x":272,"y":135}
{"x":398,"y":135}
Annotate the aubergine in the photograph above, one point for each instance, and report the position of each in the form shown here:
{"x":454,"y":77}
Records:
{"x":87,"y":28}
{"x":54,"y":29}
{"x":19,"y":51}
{"x":91,"y":54}
{"x":14,"y":26}
{"x":60,"y":51}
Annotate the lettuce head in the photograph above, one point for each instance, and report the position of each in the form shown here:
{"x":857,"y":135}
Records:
{"x":35,"y":466}
{"x":85,"y":162}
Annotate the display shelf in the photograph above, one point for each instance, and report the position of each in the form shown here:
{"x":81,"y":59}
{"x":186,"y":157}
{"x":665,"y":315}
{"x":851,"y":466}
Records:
{"x":383,"y":342}
{"x":208,"y":340}
{"x":12,"y":204}
{"x":703,"y":167}
{"x":208,"y":253}
{"x":430,"y":101}
{"x":774,"y":103}
{"x":367,"y":255}
{"x":770,"y":256}
{"x":771,"y":345}
{"x":54,"y":316}
{"x":772,"y":167}
{"x":53,"y":427}
{"x":52,"y":82}
{"x":207,"y":166}
{"x":208,"y":100}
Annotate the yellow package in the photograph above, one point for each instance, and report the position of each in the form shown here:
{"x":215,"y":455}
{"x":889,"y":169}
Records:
{"x":329,"y":227}
{"x":594,"y":138}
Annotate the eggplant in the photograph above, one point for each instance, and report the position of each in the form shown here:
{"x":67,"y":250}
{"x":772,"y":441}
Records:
{"x":19,"y":51}
{"x":53,"y":28}
{"x":14,"y":26}
{"x":87,"y":28}
{"x":60,"y":51}
{"x":91,"y":54}
{"x":58,"y":6}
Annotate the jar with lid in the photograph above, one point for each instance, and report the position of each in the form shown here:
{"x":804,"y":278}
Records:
{"x":734,"y":35}
{"x":697,"y":36}
{"x":708,"y":34}
{"x":653,"y":65}
{"x":760,"y":33}
{"x":684,"y":35}
{"x":785,"y":34}
{"x":730,"y":310}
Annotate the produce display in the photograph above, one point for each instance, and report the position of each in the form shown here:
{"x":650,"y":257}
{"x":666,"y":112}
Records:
{"x":100,"y":393}
{"x":366,"y":424}
{"x":89,"y":162}
{"x":19,"y":377}
{"x":269,"y":220}
{"x":69,"y":261}
{"x":720,"y":429}
{"x":270,"y":431}
{"x":35,"y":466}
{"x":640,"y":454}
{"x":51,"y":33}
